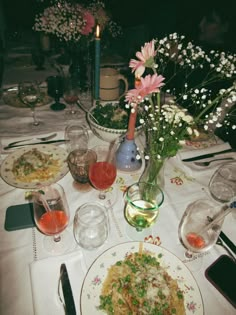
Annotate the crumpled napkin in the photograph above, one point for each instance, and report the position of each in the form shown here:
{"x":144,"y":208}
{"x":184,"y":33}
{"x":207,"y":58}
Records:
{"x":44,"y":281}
{"x":186,"y":154}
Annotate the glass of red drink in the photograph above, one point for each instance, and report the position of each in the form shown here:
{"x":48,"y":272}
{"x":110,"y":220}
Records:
{"x":51,"y":215}
{"x":102,"y":173}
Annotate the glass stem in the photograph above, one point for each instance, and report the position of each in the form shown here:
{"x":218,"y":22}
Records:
{"x":35,"y":123}
{"x":102,"y":195}
{"x":188,"y":254}
{"x":72,"y":106}
{"x":57,"y":238}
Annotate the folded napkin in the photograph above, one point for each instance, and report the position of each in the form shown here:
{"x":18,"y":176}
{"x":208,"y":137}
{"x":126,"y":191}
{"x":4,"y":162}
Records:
{"x":44,"y":281}
{"x":193,"y":152}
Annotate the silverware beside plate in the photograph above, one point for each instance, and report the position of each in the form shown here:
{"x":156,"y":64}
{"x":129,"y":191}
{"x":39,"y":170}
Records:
{"x":40,"y":139}
{"x":68,"y":301}
{"x":207,"y":163}
{"x":23,"y":145}
{"x":208,"y":155}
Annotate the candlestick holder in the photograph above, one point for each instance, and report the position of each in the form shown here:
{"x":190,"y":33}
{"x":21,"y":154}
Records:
{"x":126,"y":156}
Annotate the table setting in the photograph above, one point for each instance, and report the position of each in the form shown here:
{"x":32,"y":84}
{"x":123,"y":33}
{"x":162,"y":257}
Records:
{"x":103,"y":220}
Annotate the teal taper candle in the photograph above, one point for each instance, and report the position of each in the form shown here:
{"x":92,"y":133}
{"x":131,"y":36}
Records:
{"x":97,"y":65}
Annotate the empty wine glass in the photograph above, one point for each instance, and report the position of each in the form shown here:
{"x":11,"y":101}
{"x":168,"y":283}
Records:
{"x":55,"y":90}
{"x":51,"y":215}
{"x":193,"y":234}
{"x":29,"y":94}
{"x":222,"y":185}
{"x":76,"y":136}
{"x":102,"y":173}
{"x":71,"y":94}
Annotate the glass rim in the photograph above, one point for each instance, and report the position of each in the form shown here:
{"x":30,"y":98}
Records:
{"x":149,"y":208}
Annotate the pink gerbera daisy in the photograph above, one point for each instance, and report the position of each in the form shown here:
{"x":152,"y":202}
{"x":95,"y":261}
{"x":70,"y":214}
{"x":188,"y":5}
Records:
{"x":146,"y":58}
{"x":148,"y":85}
{"x":90,"y":22}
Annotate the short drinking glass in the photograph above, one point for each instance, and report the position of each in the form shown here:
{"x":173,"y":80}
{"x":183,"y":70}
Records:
{"x":91,"y":225}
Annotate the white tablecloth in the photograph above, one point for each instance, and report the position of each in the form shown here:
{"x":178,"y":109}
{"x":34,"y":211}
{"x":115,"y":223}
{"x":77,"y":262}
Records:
{"x":21,"y":251}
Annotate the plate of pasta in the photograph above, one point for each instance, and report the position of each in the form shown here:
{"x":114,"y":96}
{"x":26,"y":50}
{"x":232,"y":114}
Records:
{"x":34,"y":166}
{"x":139,"y":278}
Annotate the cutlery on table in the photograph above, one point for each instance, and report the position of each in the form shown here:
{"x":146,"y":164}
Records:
{"x":24,"y":145}
{"x":205,"y":156}
{"x":207,"y":163}
{"x":68,"y":303}
{"x":40,"y":139}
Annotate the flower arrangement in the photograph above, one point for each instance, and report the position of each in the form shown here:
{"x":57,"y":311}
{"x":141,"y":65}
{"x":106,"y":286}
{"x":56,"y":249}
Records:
{"x":200,"y":86}
{"x":71,"y":21}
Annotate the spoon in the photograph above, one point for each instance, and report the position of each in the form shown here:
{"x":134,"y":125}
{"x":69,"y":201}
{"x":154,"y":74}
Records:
{"x":86,"y":111}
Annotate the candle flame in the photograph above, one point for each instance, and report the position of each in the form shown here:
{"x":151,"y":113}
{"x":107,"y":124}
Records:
{"x":97,"y":31}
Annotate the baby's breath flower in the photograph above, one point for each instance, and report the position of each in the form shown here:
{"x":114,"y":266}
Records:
{"x":192,"y":80}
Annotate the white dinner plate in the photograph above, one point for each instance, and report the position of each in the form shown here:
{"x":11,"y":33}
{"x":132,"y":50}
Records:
{"x":57,"y":152}
{"x":92,"y":286}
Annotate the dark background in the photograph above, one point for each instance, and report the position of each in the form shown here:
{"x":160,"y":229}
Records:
{"x":141,"y":20}
{"x":145,"y":19}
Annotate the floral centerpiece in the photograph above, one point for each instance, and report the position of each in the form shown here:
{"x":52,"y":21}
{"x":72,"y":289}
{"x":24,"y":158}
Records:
{"x":71,"y":21}
{"x":200,"y":86}
{"x":72,"y":24}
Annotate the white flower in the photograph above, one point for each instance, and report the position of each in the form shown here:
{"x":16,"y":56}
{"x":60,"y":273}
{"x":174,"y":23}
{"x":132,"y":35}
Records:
{"x":190,"y":131}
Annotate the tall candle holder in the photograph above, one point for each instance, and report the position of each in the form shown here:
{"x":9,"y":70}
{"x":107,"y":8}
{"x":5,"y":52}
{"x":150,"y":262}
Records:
{"x":126,"y":155}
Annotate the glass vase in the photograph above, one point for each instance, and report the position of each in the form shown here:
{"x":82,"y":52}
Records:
{"x":80,"y":67}
{"x":154,"y":172}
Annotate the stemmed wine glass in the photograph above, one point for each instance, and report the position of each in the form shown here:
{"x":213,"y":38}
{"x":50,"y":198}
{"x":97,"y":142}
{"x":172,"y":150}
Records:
{"x":193,"y":234}
{"x":51,"y":215}
{"x":55,"y":90}
{"x":142,"y":203}
{"x":71,"y":95}
{"x":102,"y":173}
{"x":222,"y":184}
{"x":29,"y":94}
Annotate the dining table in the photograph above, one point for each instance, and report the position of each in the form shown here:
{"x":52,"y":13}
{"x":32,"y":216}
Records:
{"x":29,"y":275}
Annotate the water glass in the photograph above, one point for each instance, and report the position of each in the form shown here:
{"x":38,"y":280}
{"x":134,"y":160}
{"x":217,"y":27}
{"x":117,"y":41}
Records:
{"x":76,"y":137}
{"x":222,"y":185}
{"x":79,"y":162}
{"x":91,"y":225}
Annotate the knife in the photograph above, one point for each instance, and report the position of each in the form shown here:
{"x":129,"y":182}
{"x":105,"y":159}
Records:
{"x":23,"y":145}
{"x":67,"y":291}
{"x":205,"y":156}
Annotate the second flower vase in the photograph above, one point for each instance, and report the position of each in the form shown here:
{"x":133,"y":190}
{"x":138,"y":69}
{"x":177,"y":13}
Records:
{"x":154,"y":172}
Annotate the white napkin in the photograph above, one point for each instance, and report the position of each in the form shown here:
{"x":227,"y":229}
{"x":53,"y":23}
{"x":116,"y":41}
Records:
{"x":186,"y":154}
{"x":44,"y":281}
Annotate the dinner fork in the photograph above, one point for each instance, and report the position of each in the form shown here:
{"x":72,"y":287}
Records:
{"x":207,"y":163}
{"x":40,"y":139}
